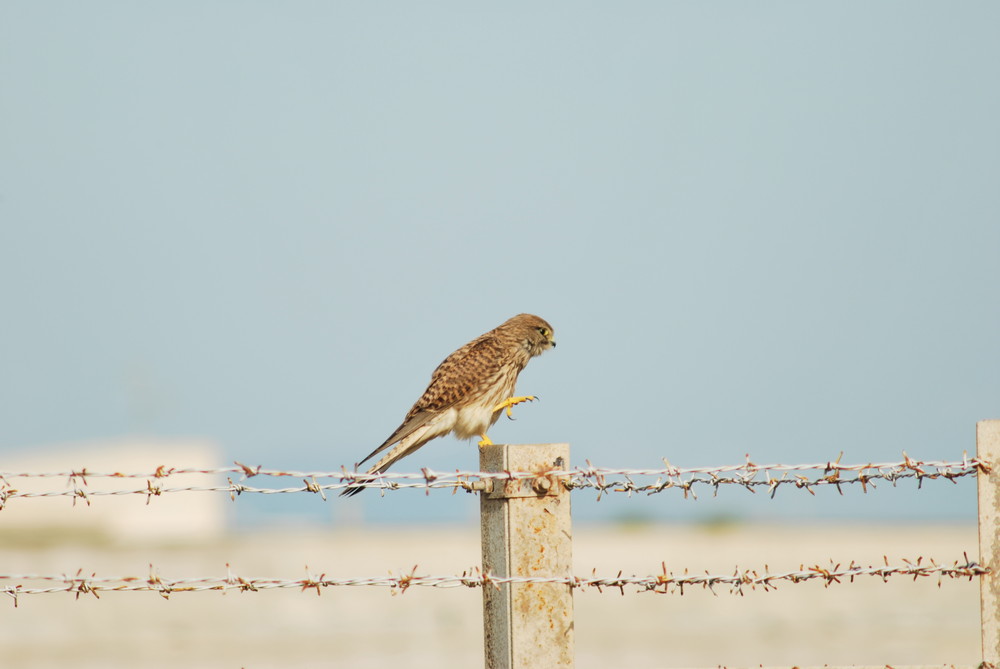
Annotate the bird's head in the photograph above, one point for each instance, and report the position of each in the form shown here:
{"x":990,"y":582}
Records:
{"x":535,"y":333}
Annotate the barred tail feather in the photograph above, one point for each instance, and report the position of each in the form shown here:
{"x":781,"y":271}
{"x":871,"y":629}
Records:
{"x":404,"y":447}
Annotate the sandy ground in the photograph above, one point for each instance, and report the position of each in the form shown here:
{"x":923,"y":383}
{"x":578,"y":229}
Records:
{"x":867,"y":622}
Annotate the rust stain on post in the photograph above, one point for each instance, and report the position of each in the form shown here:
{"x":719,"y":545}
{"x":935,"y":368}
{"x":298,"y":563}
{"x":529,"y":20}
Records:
{"x":988,"y":450}
{"x":526,"y":531}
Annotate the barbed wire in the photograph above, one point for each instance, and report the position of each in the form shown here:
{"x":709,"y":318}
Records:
{"x":665,"y":582}
{"x":748,"y":475}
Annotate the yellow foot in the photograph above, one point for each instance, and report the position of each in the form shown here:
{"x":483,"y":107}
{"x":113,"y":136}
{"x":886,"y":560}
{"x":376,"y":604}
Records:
{"x":509,"y":403}
{"x":486,"y":440}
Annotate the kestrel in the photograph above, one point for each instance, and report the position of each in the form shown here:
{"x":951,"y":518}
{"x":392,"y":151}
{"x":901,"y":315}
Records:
{"x":468,"y":390}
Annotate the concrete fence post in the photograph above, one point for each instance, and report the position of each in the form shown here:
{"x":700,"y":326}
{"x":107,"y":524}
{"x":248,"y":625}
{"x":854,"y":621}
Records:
{"x":527,"y":531}
{"x":988,"y":450}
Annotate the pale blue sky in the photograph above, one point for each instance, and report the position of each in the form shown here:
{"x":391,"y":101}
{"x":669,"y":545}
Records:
{"x":764,"y":227}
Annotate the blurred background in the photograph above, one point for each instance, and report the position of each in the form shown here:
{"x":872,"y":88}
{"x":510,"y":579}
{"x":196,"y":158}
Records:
{"x":759,"y":228}
{"x":253,"y":229}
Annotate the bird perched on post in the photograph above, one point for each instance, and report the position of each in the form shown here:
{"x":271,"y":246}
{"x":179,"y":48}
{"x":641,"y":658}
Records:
{"x":468,"y":390}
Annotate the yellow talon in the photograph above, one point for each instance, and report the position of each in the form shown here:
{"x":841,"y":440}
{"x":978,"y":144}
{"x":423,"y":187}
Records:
{"x":509,"y":403}
{"x":486,"y":440}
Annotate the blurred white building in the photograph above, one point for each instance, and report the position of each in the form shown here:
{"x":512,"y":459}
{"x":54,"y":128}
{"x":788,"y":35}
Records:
{"x":171,"y":517}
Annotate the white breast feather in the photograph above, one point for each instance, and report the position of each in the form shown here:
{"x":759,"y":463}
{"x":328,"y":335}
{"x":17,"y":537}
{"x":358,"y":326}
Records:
{"x":472,"y":421}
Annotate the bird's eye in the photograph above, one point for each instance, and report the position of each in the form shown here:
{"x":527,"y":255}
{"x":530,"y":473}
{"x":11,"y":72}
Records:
{"x":544,"y":332}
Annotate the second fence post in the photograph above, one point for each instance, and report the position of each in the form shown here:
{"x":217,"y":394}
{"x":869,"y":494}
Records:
{"x":988,"y":450}
{"x":527,"y":531}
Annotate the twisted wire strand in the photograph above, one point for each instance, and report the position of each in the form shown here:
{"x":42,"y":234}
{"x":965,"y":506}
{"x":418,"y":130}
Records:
{"x":603,"y":480}
{"x":665,"y":582}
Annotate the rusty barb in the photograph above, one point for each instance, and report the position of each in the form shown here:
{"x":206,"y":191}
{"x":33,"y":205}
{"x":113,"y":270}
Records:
{"x":664,"y":582}
{"x":541,"y":483}
{"x":747,"y":475}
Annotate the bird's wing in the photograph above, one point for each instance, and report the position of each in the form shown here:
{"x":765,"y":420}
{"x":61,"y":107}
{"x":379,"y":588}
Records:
{"x":413,"y":422}
{"x":463,"y":375}
{"x":456,"y":379}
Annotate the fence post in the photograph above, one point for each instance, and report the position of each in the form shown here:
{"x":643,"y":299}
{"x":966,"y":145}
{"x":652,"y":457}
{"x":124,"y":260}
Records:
{"x":988,"y":450}
{"x":527,"y":531}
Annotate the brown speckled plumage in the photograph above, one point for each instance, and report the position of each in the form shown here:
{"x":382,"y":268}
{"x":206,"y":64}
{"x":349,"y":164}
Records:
{"x":466,"y":387}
